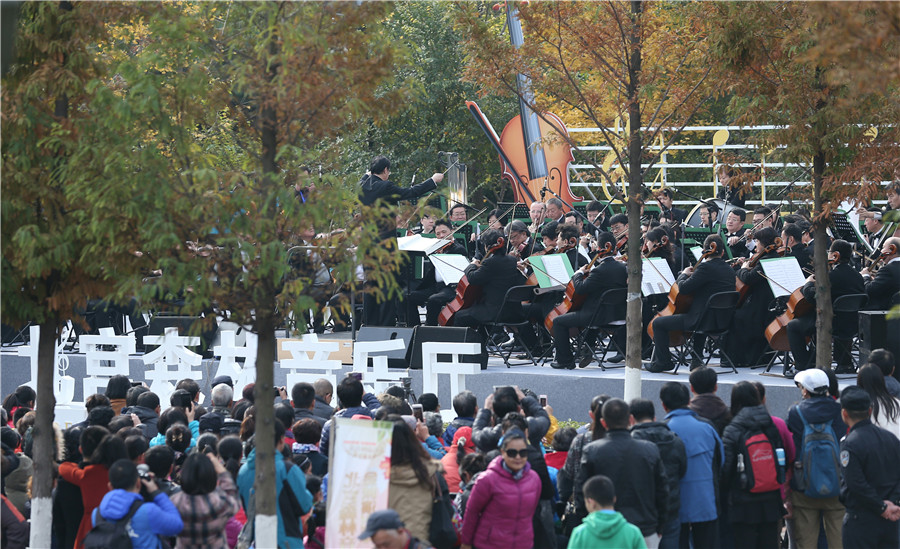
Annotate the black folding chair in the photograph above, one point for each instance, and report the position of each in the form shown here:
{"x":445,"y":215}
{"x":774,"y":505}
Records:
{"x":510,"y":317}
{"x":714,"y":322}
{"x":604,"y":332}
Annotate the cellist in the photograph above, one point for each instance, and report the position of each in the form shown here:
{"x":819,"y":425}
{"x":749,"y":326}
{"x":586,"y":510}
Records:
{"x":607,"y":274}
{"x":845,"y":280}
{"x":711,"y":276}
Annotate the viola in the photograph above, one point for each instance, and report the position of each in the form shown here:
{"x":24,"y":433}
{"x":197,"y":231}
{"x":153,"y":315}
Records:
{"x":679,"y":303}
{"x":466,"y":294}
{"x":572,"y":301}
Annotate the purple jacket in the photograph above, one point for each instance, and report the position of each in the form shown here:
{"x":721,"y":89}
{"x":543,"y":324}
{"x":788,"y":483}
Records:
{"x":500,"y":508}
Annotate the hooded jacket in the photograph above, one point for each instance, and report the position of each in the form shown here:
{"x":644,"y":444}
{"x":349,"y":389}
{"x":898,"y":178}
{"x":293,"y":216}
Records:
{"x":606,"y":529}
{"x":764,"y":504}
{"x":500,"y":508}
{"x":153,"y":519}
{"x":671,"y":451}
{"x":411,"y":498}
{"x":149,"y":420}
{"x":710,"y":406}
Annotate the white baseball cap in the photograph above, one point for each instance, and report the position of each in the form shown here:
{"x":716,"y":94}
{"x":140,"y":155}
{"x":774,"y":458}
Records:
{"x":813,"y":380}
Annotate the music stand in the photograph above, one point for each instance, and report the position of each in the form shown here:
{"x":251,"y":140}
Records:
{"x":695,"y":234}
{"x":462,"y":233}
{"x":521,"y":211}
{"x":845,"y":230}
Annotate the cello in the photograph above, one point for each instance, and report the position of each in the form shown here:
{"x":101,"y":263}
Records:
{"x":572,"y":301}
{"x":466,"y":294}
{"x":797,"y":305}
{"x":679,"y":303}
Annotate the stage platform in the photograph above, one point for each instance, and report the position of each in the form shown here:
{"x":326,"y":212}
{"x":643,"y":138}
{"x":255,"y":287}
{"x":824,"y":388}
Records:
{"x":569,"y":392}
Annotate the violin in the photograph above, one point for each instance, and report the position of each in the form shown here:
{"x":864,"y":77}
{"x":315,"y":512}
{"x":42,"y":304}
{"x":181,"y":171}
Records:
{"x":532,"y":279}
{"x":466,"y":294}
{"x":743,"y":288}
{"x":679,"y":303}
{"x":572,"y":301}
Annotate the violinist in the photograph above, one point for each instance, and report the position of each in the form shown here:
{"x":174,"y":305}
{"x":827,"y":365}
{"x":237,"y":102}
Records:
{"x":497,"y":274}
{"x":607,"y":274}
{"x":884,"y":286}
{"x":549,"y":236}
{"x":844,"y":281}
{"x":668,"y":212}
{"x":426,"y":225}
{"x":792,"y":237}
{"x":457,"y":213}
{"x":711,"y":276}
{"x":618,"y":224}
{"x":709,"y":216}
{"x":598,"y":218}
{"x":735,"y":231}
{"x":495,"y":221}
{"x":521,"y":245}
{"x":536,"y":212}
{"x":747,"y":344}
{"x":874,"y":228}
{"x":555,"y":210}
{"x":889,"y":214}
{"x":568,"y":241}
{"x":431,"y":293}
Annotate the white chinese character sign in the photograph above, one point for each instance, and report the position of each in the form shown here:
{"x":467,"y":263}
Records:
{"x":106,"y":355}
{"x":172,"y":351}
{"x":63,"y":385}
{"x":303,"y":368}
{"x":229,"y":351}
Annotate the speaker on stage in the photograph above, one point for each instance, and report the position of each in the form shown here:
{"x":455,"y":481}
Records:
{"x":424,"y":334}
{"x":396,"y":359}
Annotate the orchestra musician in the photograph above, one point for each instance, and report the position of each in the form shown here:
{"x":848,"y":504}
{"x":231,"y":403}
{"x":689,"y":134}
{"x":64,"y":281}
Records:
{"x":735,"y":231}
{"x":730,"y":191}
{"x":711,"y":276}
{"x":709,"y":216}
{"x":304,"y":262}
{"x":549,"y":235}
{"x":747,"y":343}
{"x":457,"y":213}
{"x":668,"y":212}
{"x":429,"y":292}
{"x":495,"y":275}
{"x":792,"y":237}
{"x":536,"y":212}
{"x":555,"y":210}
{"x":568,"y":238}
{"x":874,"y":227}
{"x":844,"y":281}
{"x":889,"y":214}
{"x":521,"y":244}
{"x":426,"y":225}
{"x":882,"y":288}
{"x":598,"y":219}
{"x":375,"y":185}
{"x":618,"y":225}
{"x":495,"y":221}
{"x":607,"y":274}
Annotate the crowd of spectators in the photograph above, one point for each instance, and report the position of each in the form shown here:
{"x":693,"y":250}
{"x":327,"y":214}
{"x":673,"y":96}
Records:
{"x":706,"y":474}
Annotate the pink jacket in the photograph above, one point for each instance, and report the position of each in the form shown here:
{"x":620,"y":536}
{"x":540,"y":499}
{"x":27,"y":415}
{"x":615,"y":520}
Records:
{"x":500,"y":509}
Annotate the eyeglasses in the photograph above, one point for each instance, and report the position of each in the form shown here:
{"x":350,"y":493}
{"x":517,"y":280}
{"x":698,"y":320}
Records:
{"x":517,"y":453}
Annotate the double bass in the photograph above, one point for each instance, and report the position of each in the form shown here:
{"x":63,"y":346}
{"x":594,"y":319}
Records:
{"x":776,"y":331}
{"x":679,"y":303}
{"x":466,"y":294}
{"x":572,"y":301}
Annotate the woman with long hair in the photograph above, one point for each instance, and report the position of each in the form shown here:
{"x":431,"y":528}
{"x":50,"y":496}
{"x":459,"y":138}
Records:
{"x":413,"y":480}
{"x":500,"y":509}
{"x":462,"y":445}
{"x":885,"y":408}
{"x":753,"y":516}
{"x":207,"y":500}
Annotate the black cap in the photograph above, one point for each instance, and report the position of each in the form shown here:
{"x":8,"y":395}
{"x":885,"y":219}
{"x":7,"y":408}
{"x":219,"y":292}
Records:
{"x":222,"y":379}
{"x":855,"y":399}
{"x":387,"y":519}
{"x":211,"y":423}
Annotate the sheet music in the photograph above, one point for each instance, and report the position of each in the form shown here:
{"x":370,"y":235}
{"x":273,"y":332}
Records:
{"x":656,"y":280}
{"x":697,"y":251}
{"x":784,"y":274}
{"x":555,"y":265}
{"x":449,"y":268}
{"x":418,"y":243}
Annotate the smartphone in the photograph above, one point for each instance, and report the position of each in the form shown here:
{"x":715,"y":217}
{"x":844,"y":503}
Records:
{"x":137,"y":383}
{"x":543,"y":399}
{"x":357,"y":375}
{"x":417,"y":411}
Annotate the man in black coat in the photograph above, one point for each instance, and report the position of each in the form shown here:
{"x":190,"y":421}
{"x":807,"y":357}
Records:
{"x":634,"y":466}
{"x":495,"y":275}
{"x":886,"y":283}
{"x":844,"y":281}
{"x":870,"y":484}
{"x":607,"y":274}
{"x":375,"y":185}
{"x":710,"y":277}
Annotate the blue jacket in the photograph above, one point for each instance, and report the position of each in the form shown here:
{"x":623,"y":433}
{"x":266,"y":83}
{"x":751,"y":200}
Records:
{"x":433,"y":446}
{"x":705,"y":455}
{"x":296,"y":480}
{"x":154,"y":519}
{"x":370,"y":404}
{"x":160,"y":439}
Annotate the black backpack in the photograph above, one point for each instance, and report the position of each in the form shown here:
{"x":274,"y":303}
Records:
{"x":108,"y":534}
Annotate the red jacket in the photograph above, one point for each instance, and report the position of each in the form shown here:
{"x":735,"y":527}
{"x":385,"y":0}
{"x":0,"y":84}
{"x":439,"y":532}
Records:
{"x":93,"y":481}
{"x":556,"y":459}
{"x":500,"y":508}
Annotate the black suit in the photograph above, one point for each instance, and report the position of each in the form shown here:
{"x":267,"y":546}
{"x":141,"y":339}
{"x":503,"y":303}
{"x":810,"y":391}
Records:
{"x":883,"y":286}
{"x":844,"y":281}
{"x":802,"y":254}
{"x":739,"y":249}
{"x":373,"y":188}
{"x":429,"y":287}
{"x":746,"y":343}
{"x":496,"y":275}
{"x":709,"y":277}
{"x":608,"y":274}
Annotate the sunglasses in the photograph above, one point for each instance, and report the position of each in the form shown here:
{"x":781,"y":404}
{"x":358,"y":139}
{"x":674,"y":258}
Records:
{"x":517,"y":453}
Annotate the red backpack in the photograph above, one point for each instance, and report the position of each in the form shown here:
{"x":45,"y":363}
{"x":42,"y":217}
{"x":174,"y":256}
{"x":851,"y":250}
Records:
{"x":757,"y":464}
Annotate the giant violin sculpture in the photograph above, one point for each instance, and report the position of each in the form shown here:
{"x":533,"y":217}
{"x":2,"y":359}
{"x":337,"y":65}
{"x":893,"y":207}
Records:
{"x":466,"y":294}
{"x":572,"y":301}
{"x":527,"y":162}
{"x":679,"y":303}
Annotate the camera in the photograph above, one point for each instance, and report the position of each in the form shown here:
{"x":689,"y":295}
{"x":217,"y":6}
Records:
{"x":144,"y":472}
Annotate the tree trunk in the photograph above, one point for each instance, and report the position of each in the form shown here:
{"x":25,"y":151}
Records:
{"x":266,"y":524}
{"x":824,"y":310}
{"x":44,"y":444}
{"x":635,"y":199}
